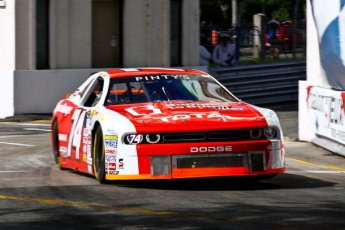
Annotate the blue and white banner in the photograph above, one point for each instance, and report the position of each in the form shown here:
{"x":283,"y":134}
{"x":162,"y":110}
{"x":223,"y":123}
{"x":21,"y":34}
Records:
{"x":329,"y":16}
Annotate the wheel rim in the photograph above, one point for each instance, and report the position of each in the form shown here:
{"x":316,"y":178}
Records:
{"x":98,"y":155}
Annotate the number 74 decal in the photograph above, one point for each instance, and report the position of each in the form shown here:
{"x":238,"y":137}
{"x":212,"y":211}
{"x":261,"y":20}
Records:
{"x":76,"y":132}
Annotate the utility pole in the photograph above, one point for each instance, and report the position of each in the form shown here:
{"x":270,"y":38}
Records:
{"x":234,"y":13}
{"x":295,"y":29}
{"x":239,"y":29}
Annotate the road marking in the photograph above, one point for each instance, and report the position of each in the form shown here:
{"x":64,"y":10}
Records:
{"x":288,"y":119}
{"x":41,"y":121}
{"x":32,"y":124}
{"x":7,"y":122}
{"x":34,"y":129}
{"x":310,"y":163}
{"x":150,"y":211}
{"x":8,"y":143}
{"x":11,"y":136}
{"x":331,"y":172}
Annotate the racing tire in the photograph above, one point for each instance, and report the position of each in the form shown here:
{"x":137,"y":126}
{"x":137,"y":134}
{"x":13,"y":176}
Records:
{"x":98,"y":156}
{"x":56,"y":147}
{"x":261,"y":177}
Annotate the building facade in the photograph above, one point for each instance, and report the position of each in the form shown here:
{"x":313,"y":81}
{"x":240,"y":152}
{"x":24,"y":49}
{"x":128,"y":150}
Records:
{"x":48,"y":47}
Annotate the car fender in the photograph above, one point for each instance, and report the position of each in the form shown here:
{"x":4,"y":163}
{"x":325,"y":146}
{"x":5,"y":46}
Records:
{"x":115,"y":126}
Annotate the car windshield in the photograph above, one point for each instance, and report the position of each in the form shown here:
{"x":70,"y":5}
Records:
{"x":165,"y":87}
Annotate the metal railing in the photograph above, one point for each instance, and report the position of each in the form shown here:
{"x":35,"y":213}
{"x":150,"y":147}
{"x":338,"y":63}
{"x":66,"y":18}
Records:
{"x":248,"y":32}
{"x":265,"y":83}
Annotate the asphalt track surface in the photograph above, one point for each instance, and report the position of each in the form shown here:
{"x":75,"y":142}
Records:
{"x":34,"y":194}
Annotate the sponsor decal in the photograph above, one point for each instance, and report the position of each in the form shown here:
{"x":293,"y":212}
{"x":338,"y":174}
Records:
{"x":162,"y":77}
{"x":111,"y":137}
{"x":110,"y":166}
{"x":121,"y":164}
{"x":151,"y":109}
{"x":197,"y":115}
{"x":144,"y":110}
{"x":84,"y":157}
{"x":110,"y":158}
{"x":111,"y":144}
{"x":84,"y":148}
{"x":109,"y":151}
{"x":327,"y":113}
{"x":65,"y":109}
{"x":62,"y":137}
{"x":202,"y":106}
{"x":86,"y":132}
{"x":85,"y":140}
{"x":113,"y":172}
{"x":93,"y":113}
{"x":211,"y":149}
{"x":101,"y":117}
{"x":63,"y":150}
{"x":111,"y":132}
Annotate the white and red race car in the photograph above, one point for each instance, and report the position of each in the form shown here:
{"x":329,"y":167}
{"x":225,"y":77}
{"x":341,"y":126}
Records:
{"x":161,"y":123}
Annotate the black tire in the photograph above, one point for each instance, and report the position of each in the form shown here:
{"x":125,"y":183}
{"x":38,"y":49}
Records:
{"x":98,"y":156}
{"x":262,"y":177}
{"x":56,"y":147}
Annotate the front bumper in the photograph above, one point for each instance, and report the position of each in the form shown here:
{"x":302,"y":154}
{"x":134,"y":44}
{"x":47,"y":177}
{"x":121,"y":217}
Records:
{"x":261,"y":157}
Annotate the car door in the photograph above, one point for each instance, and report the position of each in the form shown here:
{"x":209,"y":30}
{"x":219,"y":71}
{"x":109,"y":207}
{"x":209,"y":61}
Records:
{"x":80,"y":142}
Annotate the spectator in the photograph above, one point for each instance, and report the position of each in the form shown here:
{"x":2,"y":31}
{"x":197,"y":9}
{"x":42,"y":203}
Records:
{"x":224,"y":54}
{"x":272,"y":36}
{"x":205,"y":56}
{"x":206,"y":43}
{"x":203,"y":28}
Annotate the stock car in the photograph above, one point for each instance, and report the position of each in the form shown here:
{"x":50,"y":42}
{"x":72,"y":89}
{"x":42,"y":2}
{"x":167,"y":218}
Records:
{"x":164,"y":123}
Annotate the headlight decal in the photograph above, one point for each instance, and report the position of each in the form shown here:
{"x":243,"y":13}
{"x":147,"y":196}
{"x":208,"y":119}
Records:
{"x":153,"y":138}
{"x":134,"y":139}
{"x":270,"y":132}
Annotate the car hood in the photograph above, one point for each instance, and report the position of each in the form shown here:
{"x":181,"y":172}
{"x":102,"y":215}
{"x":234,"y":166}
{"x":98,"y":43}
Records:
{"x":194,"y":115}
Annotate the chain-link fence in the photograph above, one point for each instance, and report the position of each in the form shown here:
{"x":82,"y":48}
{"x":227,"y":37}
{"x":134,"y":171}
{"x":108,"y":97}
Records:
{"x":291,"y":41}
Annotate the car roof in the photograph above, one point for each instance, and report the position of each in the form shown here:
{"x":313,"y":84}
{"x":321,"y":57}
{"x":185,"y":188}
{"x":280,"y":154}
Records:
{"x":150,"y":71}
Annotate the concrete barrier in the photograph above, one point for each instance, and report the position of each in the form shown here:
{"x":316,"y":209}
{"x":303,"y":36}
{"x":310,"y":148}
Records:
{"x":6,"y":93}
{"x":38,"y":91}
{"x":322,"y":117}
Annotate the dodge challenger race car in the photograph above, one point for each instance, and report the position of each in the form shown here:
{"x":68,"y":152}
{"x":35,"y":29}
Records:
{"x":161,"y":123}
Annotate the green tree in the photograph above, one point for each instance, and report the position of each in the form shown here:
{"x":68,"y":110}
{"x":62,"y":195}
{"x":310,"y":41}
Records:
{"x":281,"y":13}
{"x":264,"y":4}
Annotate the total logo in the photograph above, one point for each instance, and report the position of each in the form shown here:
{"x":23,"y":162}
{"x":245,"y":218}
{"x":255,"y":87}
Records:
{"x":211,"y":149}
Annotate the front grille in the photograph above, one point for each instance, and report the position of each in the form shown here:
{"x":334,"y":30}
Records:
{"x":160,"y":165}
{"x":209,"y":161}
{"x":207,"y":136}
{"x":257,"y":161}
{"x":184,"y":137}
{"x":236,"y":135}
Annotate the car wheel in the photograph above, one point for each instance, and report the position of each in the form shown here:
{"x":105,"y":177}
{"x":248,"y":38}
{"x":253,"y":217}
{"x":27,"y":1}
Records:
{"x":98,"y":156}
{"x":57,"y":158}
{"x":262,"y":177}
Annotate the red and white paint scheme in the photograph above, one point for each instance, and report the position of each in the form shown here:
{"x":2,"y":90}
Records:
{"x":161,"y":123}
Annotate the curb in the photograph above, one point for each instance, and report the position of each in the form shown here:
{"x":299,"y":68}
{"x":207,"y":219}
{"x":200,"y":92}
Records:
{"x":26,"y":117}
